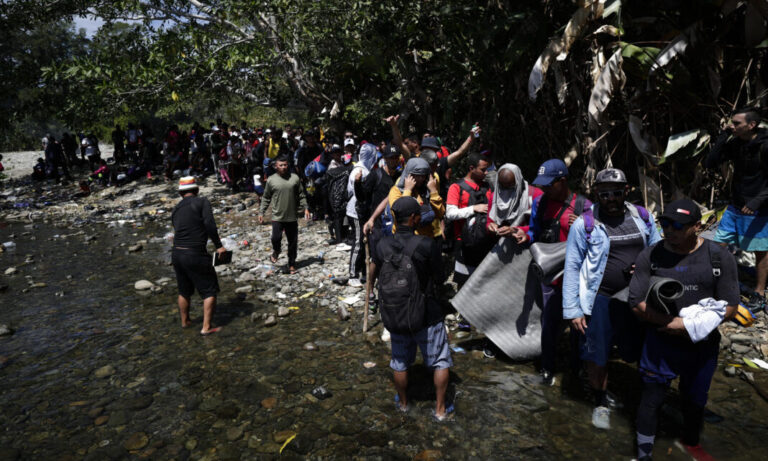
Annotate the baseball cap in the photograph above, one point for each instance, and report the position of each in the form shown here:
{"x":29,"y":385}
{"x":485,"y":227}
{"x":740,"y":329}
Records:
{"x":610,"y":175}
{"x":430,"y":142}
{"x":405,"y":206}
{"x":349,"y":142}
{"x":549,"y":171}
{"x":187,"y":183}
{"x":683,"y":211}
{"x":390,"y":151}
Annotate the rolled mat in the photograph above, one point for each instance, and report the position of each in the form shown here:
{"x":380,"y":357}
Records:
{"x":661,"y":294}
{"x":548,"y":260}
{"x":500,"y":299}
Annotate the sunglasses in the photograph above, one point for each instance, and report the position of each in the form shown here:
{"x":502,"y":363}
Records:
{"x":664,"y":222}
{"x":609,"y":194}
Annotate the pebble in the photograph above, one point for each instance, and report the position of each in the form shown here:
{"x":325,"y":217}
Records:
{"x":142,"y":285}
{"x":244,"y":289}
{"x":269,"y":403}
{"x":369,"y":364}
{"x":103,"y":372}
{"x":282,"y":436}
{"x":135,"y":248}
{"x":742,"y":338}
{"x":343,"y":313}
{"x":283,"y":311}
{"x":136,"y":441}
{"x":234,"y":433}
{"x":11,"y":271}
{"x":730,"y":371}
{"x":310,"y":346}
{"x":270,"y":321}
{"x":5,"y":330}
{"x":101,"y":420}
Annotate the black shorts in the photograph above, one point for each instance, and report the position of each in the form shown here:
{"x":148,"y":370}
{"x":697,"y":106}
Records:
{"x":194,"y":270}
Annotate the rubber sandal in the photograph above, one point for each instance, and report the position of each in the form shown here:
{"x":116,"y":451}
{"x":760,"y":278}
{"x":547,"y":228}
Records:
{"x":441,"y":419}
{"x":211,"y":331}
{"x":273,"y":259}
{"x":399,"y":408}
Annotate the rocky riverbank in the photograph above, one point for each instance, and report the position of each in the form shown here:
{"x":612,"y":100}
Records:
{"x":94,"y":368}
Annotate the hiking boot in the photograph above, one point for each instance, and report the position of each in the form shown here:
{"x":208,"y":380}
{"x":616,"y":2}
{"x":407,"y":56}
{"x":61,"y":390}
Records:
{"x":601,"y":417}
{"x":547,"y":378}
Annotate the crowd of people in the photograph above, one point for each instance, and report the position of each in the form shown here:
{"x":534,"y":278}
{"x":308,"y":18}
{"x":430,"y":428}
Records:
{"x":399,"y":203}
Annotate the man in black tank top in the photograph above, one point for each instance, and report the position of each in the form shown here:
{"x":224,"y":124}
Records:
{"x":193,"y":225}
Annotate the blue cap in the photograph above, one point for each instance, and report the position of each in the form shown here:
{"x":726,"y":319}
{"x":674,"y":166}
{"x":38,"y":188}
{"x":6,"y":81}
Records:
{"x":549,"y":171}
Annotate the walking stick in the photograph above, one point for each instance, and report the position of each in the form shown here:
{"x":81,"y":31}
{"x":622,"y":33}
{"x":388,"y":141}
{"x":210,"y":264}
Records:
{"x":367,"y":285}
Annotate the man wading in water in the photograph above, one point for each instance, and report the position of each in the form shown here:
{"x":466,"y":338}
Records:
{"x":193,"y":225}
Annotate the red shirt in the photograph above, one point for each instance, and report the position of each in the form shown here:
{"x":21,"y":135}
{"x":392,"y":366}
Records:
{"x":460,"y":199}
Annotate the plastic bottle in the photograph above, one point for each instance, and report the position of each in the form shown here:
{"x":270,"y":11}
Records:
{"x":10,"y":246}
{"x":328,"y":274}
{"x":320,"y":257}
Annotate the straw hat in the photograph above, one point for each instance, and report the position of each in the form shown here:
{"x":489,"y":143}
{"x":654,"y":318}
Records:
{"x":187,"y":183}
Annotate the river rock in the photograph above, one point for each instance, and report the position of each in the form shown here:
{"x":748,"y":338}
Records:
{"x":742,"y":338}
{"x":730,"y":371}
{"x":163,"y":281}
{"x":282,"y":436}
{"x":234,"y":433}
{"x":310,"y":346}
{"x":740,"y":348}
{"x":244,"y":289}
{"x":5,"y":330}
{"x":271,"y":321}
{"x":103,"y":372}
{"x":11,"y":271}
{"x":136,"y":441}
{"x":142,"y":285}
{"x":343,"y":313}
{"x":283,"y":311}
{"x":245,"y":277}
{"x":135,"y":248}
{"x":269,"y":403}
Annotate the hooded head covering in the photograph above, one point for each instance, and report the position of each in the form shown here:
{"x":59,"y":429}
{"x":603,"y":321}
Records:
{"x":367,"y":157}
{"x":510,"y":205}
{"x":415,"y":166}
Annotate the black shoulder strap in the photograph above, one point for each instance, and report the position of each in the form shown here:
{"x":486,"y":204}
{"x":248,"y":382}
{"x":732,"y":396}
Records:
{"x":654,"y":257}
{"x":714,"y":259}
{"x":410,"y":248}
{"x":578,"y":207}
{"x":564,"y":208}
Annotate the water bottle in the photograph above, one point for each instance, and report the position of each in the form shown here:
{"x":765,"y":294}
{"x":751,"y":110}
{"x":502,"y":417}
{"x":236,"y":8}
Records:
{"x":320,"y":257}
{"x":328,"y":274}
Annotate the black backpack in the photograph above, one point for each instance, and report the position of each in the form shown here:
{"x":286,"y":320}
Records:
{"x":550,"y":231}
{"x":337,"y":188}
{"x":401,"y":300}
{"x":476,"y":242}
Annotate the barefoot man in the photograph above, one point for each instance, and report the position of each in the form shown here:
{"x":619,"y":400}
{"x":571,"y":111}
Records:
{"x":193,"y":225}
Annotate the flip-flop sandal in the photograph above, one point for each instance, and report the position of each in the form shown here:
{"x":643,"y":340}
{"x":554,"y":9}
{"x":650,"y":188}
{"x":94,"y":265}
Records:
{"x":441,"y":419}
{"x":399,"y":407}
{"x":211,"y":331}
{"x":273,"y":259}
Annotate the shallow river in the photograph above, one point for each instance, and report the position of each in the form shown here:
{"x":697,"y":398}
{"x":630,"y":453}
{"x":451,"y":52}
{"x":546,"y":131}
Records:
{"x":96,"y":370}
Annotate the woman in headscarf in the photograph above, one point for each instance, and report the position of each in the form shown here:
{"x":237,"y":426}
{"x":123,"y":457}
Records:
{"x":510,"y":204}
{"x":355,"y":213}
{"x":418,"y":181}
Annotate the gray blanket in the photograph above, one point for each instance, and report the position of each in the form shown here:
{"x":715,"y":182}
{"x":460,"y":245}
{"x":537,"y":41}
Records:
{"x":500,"y":299}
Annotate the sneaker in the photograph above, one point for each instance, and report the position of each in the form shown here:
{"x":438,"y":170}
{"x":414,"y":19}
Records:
{"x":385,"y":336}
{"x":355,"y":283}
{"x":547,"y":378}
{"x":755,"y":302}
{"x":695,"y":451}
{"x":601,"y":417}
{"x":488,"y":352}
{"x":613,"y":401}
{"x":343,"y":247}
{"x":332,"y":242}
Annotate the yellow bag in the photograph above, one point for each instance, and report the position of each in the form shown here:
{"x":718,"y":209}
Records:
{"x":743,"y":316}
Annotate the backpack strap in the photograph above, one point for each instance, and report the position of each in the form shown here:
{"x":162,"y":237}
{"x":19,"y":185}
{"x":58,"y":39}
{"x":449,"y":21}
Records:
{"x":589,"y":223}
{"x":714,"y":259}
{"x":578,"y":207}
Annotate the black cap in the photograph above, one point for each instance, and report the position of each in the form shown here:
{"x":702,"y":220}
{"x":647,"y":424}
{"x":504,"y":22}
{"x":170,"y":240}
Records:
{"x":684,"y":211}
{"x":390,"y":151}
{"x":405,"y":207}
{"x":430,"y":142}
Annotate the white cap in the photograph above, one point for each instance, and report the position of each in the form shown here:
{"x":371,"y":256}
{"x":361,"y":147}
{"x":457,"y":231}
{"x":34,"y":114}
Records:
{"x":349,"y":142}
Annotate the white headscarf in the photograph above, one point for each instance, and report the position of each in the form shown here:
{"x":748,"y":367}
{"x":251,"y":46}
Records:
{"x":510,"y":205}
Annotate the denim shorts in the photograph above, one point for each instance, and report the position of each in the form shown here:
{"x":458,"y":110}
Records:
{"x":612,"y":322}
{"x":433,"y":343}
